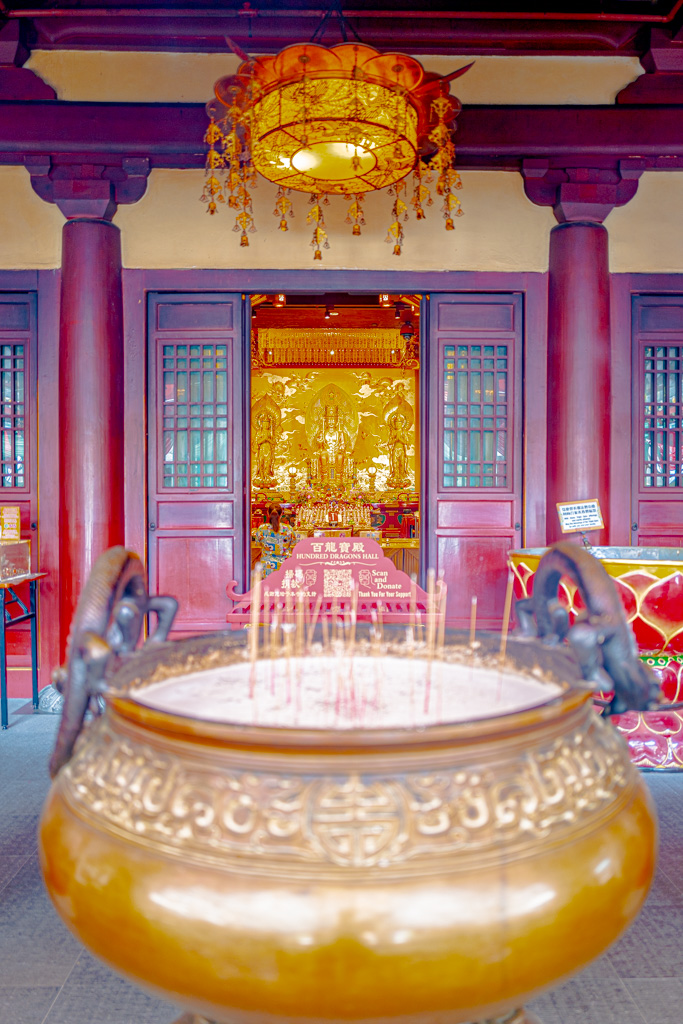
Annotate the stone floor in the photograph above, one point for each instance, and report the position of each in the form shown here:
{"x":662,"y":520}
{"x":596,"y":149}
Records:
{"x":47,"y":978}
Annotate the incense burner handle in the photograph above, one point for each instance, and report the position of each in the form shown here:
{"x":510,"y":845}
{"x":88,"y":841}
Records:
{"x":603,"y":641}
{"x":106,"y":627}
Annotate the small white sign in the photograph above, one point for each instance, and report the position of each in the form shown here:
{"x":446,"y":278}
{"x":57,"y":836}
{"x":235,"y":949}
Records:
{"x":10,"y":522}
{"x":578,"y":516}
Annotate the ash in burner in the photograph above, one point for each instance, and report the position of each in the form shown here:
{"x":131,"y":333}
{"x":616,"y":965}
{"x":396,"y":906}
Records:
{"x":334,"y":691}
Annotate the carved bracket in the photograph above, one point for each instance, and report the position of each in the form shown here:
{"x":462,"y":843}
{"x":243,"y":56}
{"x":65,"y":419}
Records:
{"x":581,"y":193}
{"x":663,"y":78}
{"x":92,"y":191}
{"x":17,"y":82}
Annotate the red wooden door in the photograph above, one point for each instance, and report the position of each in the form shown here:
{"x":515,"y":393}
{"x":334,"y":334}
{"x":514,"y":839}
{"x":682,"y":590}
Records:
{"x":198,"y":473}
{"x":18,"y":435}
{"x":473,"y":448}
{"x":657,"y":507}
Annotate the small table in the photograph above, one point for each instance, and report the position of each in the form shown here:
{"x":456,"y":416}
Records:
{"x":30,"y":614}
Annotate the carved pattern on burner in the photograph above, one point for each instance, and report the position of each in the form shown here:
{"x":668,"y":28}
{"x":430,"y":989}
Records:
{"x":206,"y":810}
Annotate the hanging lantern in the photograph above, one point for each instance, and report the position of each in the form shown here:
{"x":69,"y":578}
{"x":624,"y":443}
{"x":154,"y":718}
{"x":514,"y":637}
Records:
{"x":345,"y":120}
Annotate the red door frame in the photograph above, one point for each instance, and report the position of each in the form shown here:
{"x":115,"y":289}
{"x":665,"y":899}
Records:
{"x":624,"y":288}
{"x":136,"y":283}
{"x":533,"y":286}
{"x":44,"y":469}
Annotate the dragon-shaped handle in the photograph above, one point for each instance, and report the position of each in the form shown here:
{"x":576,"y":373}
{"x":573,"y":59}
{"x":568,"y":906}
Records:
{"x":602,"y":641}
{"x":105,"y":628}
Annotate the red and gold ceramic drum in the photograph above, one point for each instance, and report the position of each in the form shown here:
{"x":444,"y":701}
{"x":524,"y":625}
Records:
{"x":650,"y":584}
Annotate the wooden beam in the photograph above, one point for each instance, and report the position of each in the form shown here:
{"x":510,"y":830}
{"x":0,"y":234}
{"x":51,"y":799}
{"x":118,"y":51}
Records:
{"x":488,"y":137}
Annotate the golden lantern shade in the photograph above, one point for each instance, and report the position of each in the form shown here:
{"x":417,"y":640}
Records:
{"x":334,"y":136}
{"x":342,"y":120}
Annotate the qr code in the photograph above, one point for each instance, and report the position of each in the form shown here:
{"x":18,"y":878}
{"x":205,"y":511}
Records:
{"x":338,"y":582}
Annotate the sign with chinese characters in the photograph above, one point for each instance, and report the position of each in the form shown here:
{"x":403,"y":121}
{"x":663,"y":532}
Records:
{"x":332,"y":567}
{"x":10,"y":522}
{"x":579,"y":516}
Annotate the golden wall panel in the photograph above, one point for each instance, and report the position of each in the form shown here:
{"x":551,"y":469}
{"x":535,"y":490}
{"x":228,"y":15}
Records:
{"x":373,"y":406}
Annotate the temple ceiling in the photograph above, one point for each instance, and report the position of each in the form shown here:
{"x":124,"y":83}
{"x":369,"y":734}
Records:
{"x":586,"y":26}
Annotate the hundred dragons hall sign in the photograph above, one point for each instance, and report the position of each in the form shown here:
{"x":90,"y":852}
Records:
{"x":334,"y":571}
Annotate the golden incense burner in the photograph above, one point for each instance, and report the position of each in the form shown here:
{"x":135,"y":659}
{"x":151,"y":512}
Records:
{"x":295,"y":859}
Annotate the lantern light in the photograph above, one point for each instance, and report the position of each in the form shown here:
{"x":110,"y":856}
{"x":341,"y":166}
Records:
{"x":344,"y":120}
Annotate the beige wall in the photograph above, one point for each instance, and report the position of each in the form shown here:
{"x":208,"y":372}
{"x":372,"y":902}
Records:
{"x":189,"y":77}
{"x":501,"y":230}
{"x":645,"y":235}
{"x":30,"y":230}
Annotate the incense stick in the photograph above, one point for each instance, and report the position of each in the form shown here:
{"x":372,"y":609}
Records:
{"x":288,"y":639}
{"x":413,"y":607}
{"x":443,"y":594}
{"x":431,"y":613}
{"x":300,"y":626}
{"x":255,"y":611}
{"x":314,"y":618}
{"x":506,"y":617}
{"x":504,"y":634}
{"x":324,"y":624}
{"x":354,"y":615}
{"x":431,"y":635}
{"x":473,"y":620}
{"x":274,"y":625}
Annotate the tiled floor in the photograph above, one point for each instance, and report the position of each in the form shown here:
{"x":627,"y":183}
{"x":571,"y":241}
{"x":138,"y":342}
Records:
{"x":47,"y":978}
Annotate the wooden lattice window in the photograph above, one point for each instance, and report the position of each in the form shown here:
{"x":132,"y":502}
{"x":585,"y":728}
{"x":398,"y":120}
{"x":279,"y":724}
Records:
{"x":195,"y":416}
{"x":475,"y":415}
{"x":13,"y":430}
{"x":662,"y":410}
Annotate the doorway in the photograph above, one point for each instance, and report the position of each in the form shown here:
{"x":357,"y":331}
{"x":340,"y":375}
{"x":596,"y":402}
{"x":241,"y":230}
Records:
{"x":460,"y":505}
{"x":335,"y":417}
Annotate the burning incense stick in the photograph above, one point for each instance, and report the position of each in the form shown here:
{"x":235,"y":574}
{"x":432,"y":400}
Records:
{"x":314,"y":619}
{"x":431,"y":613}
{"x":288,"y":624}
{"x":506,"y":618}
{"x":473,"y":621}
{"x":354,"y":615}
{"x":300,"y":626}
{"x":443,"y":594}
{"x":274,"y":645}
{"x":255,"y":619}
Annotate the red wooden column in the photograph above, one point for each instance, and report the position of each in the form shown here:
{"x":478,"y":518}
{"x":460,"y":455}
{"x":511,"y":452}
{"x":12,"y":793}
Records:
{"x":91,"y":452}
{"x":579,"y":339}
{"x":91,"y":402}
{"x":578,"y":369}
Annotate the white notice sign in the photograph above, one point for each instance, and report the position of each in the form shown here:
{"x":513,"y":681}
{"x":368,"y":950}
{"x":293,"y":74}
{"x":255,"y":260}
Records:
{"x":578,"y":516}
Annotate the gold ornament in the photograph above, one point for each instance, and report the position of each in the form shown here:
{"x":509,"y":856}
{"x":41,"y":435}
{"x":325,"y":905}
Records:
{"x":345,"y":120}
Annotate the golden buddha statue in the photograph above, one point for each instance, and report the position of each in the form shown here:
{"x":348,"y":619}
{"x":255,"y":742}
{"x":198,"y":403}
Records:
{"x":332,"y":427}
{"x":332,"y":444}
{"x":266,"y":420}
{"x":399,"y":417}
